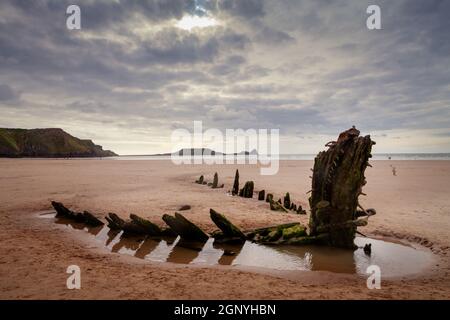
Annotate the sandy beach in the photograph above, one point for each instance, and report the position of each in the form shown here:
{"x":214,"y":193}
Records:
{"x":412,"y":207}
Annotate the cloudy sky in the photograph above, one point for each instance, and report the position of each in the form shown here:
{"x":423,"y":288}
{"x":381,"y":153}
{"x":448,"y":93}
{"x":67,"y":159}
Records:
{"x":139,"y":69}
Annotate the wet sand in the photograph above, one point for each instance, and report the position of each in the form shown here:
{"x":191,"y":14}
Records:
{"x":413,"y":206}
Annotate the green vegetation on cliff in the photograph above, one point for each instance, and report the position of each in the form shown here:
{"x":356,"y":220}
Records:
{"x":51,"y":142}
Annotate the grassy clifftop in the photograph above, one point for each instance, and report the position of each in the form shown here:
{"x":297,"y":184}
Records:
{"x":51,"y":142}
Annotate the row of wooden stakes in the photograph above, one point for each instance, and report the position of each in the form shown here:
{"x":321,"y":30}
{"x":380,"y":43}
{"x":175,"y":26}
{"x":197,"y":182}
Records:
{"x":247,"y":192}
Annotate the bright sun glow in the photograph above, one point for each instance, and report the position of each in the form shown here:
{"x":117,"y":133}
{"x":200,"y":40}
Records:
{"x":191,"y":22}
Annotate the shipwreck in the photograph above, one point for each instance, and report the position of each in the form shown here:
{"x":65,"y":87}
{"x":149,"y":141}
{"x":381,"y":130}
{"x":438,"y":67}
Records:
{"x":337,"y":182}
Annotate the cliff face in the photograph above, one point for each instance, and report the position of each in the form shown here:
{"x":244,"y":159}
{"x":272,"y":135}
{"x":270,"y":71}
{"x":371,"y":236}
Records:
{"x":48,"y":143}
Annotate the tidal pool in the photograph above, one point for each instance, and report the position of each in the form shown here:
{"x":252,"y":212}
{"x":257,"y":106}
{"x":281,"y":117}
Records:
{"x":394,"y":259}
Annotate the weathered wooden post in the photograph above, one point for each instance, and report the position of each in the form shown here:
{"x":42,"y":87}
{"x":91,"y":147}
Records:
{"x":235,"y":190}
{"x":215,"y":183}
{"x":338,"y":178}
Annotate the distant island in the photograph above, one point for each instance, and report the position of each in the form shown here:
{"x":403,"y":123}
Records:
{"x":204,"y":151}
{"x":47,"y":143}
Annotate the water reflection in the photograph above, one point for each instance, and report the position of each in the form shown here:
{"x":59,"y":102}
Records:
{"x":230,"y":252}
{"x":147,"y":246}
{"x":78,"y":226}
{"x":185,"y":251}
{"x":111,"y":235}
{"x":127,"y":244}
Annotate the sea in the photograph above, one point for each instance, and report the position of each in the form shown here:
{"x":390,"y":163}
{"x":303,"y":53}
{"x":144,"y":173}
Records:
{"x":376,"y":156}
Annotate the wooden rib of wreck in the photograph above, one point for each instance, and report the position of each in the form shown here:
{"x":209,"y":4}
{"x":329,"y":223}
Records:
{"x":261,"y":195}
{"x":289,"y":233}
{"x":235,"y":190}
{"x":114,"y":222}
{"x":215,"y":183}
{"x":137,"y":226}
{"x":185,"y":228}
{"x":299,"y":210}
{"x":200,"y":180}
{"x":287,"y":201}
{"x":337,"y":181}
{"x":228,"y":233}
{"x":83,"y":217}
{"x":247,"y":190}
{"x":146,"y":226}
{"x":277,"y":206}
